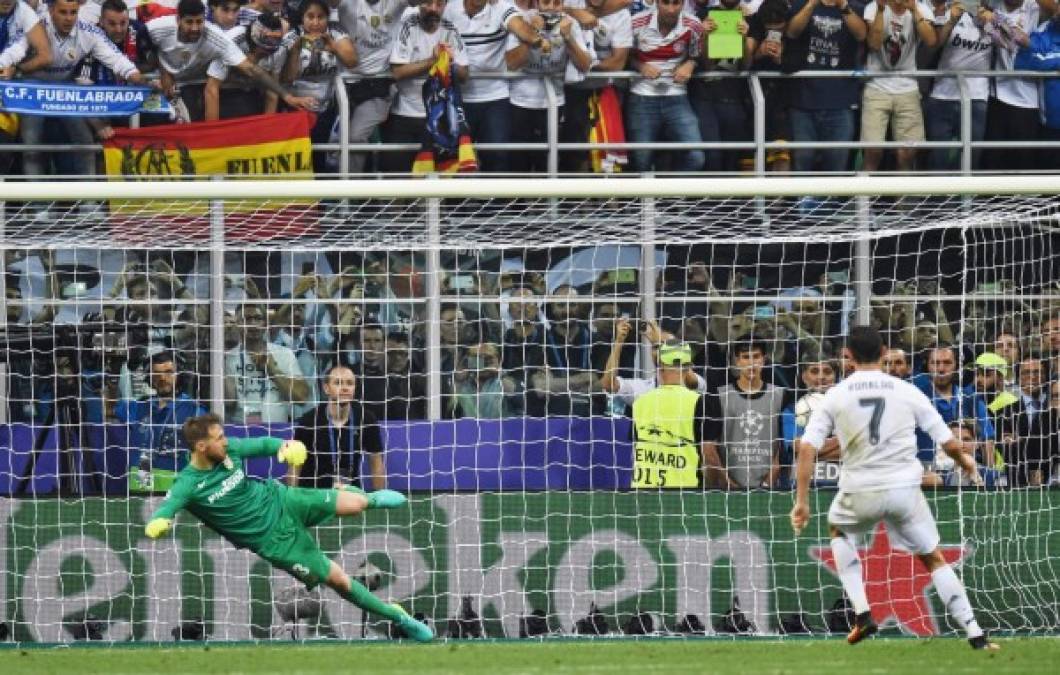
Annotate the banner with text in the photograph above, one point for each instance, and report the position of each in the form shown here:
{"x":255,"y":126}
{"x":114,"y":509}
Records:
{"x":257,"y":146}
{"x":26,"y":97}
{"x":667,"y":554}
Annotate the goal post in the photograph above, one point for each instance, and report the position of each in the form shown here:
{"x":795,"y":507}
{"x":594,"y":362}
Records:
{"x":481,"y":318}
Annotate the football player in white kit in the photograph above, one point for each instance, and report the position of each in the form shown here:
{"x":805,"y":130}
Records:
{"x":875,"y":417}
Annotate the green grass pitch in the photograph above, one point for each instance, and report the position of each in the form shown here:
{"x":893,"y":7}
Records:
{"x":946,"y":655}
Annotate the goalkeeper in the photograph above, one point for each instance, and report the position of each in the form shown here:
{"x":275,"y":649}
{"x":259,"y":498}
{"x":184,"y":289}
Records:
{"x":269,"y":518}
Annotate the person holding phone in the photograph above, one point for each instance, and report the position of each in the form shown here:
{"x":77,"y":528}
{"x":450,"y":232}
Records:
{"x":824,"y":35}
{"x":765,"y":38}
{"x":896,"y":29}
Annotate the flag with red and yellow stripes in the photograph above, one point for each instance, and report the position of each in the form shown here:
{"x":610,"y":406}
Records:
{"x":446,"y":146}
{"x":258,"y":146}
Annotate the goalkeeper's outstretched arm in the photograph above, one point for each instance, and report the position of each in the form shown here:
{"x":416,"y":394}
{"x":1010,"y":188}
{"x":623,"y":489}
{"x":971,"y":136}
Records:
{"x":161,"y":520}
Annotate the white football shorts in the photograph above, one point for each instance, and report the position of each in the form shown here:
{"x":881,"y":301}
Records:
{"x":905,"y":512}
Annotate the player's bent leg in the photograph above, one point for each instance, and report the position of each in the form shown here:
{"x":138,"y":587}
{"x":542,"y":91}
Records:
{"x":954,"y":596}
{"x":356,"y":593}
{"x":848,"y":567}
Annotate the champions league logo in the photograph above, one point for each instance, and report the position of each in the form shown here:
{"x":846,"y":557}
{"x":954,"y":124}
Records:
{"x":752,"y":422}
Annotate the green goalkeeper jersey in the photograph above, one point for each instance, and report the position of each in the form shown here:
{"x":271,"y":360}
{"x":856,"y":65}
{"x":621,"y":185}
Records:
{"x":243,"y":510}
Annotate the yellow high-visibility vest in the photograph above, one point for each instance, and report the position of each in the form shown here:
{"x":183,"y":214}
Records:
{"x":665,"y":454}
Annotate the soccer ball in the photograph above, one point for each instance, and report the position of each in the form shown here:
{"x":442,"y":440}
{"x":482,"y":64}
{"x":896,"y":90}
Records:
{"x":805,"y":407}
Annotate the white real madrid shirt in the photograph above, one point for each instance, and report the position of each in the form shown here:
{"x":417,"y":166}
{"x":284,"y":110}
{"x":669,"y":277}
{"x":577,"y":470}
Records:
{"x":529,"y":92}
{"x":415,"y":44}
{"x":69,"y":50}
{"x":372,"y":26}
{"x":485,"y":36}
{"x":875,"y":417}
{"x":190,"y":60}
{"x":22,"y":20}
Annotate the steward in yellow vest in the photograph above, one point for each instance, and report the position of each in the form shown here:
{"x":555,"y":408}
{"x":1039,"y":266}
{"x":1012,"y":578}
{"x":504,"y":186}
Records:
{"x":673,"y":425}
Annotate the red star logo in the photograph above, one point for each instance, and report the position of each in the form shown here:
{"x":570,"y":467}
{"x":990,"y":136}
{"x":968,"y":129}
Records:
{"x":895,"y":582}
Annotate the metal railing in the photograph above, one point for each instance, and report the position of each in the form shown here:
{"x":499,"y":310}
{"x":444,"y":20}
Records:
{"x":759,"y":144}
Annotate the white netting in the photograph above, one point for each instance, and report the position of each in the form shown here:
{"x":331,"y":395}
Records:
{"x":484,"y":334}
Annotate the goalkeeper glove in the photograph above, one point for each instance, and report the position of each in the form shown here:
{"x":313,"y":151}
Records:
{"x":157,"y":527}
{"x":292,"y":452}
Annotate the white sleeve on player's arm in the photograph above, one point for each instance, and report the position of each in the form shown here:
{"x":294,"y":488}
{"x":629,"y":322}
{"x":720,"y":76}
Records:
{"x":927,"y":417}
{"x":820,"y":426}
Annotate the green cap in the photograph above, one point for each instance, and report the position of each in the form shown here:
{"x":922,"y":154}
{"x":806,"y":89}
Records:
{"x":674,"y":353}
{"x":992,"y":361}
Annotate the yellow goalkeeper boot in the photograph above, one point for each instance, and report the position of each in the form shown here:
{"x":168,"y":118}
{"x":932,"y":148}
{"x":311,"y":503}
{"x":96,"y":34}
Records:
{"x":864,"y":626}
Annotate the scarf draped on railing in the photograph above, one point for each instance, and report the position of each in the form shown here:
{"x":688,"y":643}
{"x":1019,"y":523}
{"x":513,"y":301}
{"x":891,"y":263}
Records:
{"x":605,"y":126}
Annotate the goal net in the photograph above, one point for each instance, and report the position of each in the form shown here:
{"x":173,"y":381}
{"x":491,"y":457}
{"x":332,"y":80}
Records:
{"x":497,"y":332}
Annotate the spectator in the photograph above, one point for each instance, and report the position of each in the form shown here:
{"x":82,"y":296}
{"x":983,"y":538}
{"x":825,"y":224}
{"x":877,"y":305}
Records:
{"x":1043,"y":53}
{"x":231,"y":95}
{"x":129,"y":36}
{"x":667,"y":42}
{"x":612,"y":38}
{"x":1006,"y":344}
{"x":605,"y":327}
{"x":372,"y":25}
{"x":816,"y":377}
{"x":524,"y":347}
{"x":896,"y":363}
{"x":627,"y":389}
{"x":371,"y":369}
{"x":824,"y":35}
{"x":765,"y":44}
{"x":339,"y":433}
{"x":568,"y":52}
{"x":480,"y":389}
{"x":1015,"y":415}
{"x":406,"y":382}
{"x":1049,"y":347}
{"x":423,"y":36}
{"x":253,"y":9}
{"x":940,"y":384}
{"x":964,"y":46}
{"x":187,"y":47}
{"x":155,"y":421}
{"x":1012,"y":113}
{"x":262,"y":380}
{"x":896,"y":29}
{"x":567,"y":381}
{"x":753,"y":431}
{"x":320,"y":51}
{"x":485,"y":28}
{"x":24,"y":33}
{"x":1043,"y":452}
{"x":1031,"y":389}
{"x":964,"y":430}
{"x":223,"y":13}
{"x":306,"y":331}
{"x":71,"y":41}
{"x":723,"y":107}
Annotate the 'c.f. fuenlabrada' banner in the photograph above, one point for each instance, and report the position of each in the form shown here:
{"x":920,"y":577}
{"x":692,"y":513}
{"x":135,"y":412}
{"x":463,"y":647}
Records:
{"x":258,"y":146}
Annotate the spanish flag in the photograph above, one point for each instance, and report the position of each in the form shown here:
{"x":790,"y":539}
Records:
{"x":258,"y":146}
{"x":446,"y":146}
{"x":605,"y":126}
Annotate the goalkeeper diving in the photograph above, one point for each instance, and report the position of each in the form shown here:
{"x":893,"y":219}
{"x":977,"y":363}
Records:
{"x":270,"y":518}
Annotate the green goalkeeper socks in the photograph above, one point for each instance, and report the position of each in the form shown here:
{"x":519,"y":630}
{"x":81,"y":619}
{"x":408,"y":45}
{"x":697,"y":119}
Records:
{"x":363,"y":598}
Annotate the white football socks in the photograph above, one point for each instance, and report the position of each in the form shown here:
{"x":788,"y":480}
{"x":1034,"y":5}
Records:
{"x":954,"y":597}
{"x":848,"y":566}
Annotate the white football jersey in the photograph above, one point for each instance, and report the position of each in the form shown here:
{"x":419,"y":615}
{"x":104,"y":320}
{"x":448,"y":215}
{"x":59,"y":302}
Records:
{"x":875,"y":417}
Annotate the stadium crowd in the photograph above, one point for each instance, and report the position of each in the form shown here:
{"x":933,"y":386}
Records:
{"x":537,"y":335}
{"x":231,"y":59}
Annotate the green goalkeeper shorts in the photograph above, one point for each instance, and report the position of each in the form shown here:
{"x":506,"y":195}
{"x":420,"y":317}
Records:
{"x":291,"y":547}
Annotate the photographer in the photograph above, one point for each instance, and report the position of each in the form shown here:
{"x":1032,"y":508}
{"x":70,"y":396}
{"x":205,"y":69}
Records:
{"x":153,"y":425}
